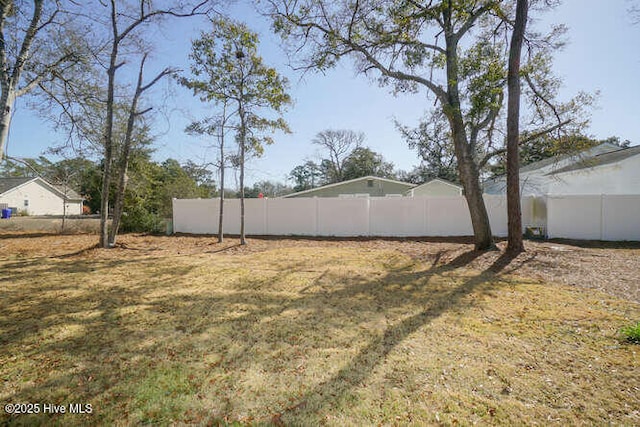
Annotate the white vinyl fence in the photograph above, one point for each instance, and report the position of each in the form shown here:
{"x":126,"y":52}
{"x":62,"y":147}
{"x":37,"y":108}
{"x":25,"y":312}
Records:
{"x":613,"y":217}
{"x":375,"y":216}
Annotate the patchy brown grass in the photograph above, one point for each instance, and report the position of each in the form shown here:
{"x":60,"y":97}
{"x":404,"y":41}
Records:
{"x":182,"y":330}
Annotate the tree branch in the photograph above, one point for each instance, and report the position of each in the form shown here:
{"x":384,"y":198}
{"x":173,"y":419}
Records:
{"x":26,"y":42}
{"x":523,"y":141}
{"x":472,"y":20}
{"x":540,"y":96}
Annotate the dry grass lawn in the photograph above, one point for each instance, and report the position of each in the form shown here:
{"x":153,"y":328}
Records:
{"x":180,"y":330}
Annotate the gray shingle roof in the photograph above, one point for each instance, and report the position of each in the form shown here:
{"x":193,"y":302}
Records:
{"x":601,"y":159}
{"x":556,"y":159}
{"x":7,"y":184}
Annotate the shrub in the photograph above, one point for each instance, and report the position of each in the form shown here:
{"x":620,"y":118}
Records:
{"x":138,"y":219}
{"x":631,"y":333}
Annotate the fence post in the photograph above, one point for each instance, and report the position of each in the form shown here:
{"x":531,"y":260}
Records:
{"x":265,"y":217}
{"x":601,"y":216}
{"x":368,"y":216}
{"x":426,"y":216}
{"x":315,"y":201}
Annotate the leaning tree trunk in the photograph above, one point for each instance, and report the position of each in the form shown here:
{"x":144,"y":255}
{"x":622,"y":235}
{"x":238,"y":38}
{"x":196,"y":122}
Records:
{"x":514,"y":210}
{"x":6,"y":105}
{"x":470,"y":179}
{"x":467,"y":166}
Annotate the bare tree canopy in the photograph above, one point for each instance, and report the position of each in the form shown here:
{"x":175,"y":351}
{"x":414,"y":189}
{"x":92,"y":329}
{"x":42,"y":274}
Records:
{"x":37,"y":43}
{"x":338,"y":144}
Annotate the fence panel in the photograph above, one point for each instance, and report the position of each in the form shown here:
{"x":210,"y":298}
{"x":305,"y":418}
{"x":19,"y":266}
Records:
{"x":255,"y":216}
{"x":343,"y":216}
{"x":497,"y":210}
{"x":621,"y":217}
{"x":287,"y":217}
{"x":448,"y":216}
{"x":195,"y":216}
{"x":574,"y":217}
{"x":397,"y":216}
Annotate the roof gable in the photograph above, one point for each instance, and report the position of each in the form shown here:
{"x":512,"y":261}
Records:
{"x":341,"y":183}
{"x":10,"y":184}
{"x":434,"y":180}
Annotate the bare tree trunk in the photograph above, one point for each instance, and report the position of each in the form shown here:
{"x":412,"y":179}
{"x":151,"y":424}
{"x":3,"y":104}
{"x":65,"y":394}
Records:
{"x":10,"y":75}
{"x":6,"y":106}
{"x":126,"y":149}
{"x":222,"y":164}
{"x":108,"y":132}
{"x":242,"y":156}
{"x":467,"y":166}
{"x":514,"y":210}
{"x":469,"y":177}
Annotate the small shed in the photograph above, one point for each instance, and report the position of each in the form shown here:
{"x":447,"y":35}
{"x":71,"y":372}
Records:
{"x":436,"y":187}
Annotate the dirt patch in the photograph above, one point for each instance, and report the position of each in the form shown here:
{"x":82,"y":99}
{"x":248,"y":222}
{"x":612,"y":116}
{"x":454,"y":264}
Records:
{"x":608,"y":267}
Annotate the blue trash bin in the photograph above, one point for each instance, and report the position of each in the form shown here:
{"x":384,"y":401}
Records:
{"x":6,"y":213}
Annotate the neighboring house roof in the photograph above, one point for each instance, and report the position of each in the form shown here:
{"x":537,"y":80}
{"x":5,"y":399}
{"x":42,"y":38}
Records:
{"x":444,"y":181}
{"x":433,"y":181}
{"x":69,"y":192}
{"x":9,"y":184}
{"x":342,"y":183}
{"x":601,"y":159}
{"x":576,"y":157}
{"x":535,"y":177}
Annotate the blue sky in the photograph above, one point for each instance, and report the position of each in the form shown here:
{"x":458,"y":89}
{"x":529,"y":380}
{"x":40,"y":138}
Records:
{"x":602,"y":54}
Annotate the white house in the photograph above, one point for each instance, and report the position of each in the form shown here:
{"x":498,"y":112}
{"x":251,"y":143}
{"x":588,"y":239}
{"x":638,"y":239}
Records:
{"x":613,"y":173}
{"x":540,"y":178}
{"x":436,"y":187}
{"x":35,"y":196}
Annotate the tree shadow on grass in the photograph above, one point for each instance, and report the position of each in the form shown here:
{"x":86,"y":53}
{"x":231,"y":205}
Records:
{"x":329,"y":393}
{"x":114,"y":354}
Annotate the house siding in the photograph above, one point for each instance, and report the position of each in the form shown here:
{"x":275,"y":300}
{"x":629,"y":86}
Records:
{"x":537,"y":180}
{"x":380,"y":188}
{"x":41,"y":200}
{"x":615,"y":179}
{"x":436,"y":188}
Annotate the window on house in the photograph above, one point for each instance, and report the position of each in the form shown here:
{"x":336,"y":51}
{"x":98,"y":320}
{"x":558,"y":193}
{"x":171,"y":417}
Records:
{"x":26,"y":203}
{"x":369,"y":183}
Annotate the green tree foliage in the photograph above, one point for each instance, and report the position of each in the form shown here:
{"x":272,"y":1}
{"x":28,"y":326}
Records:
{"x":227,"y":69}
{"x":358,"y":162}
{"x":306,"y":176}
{"x":148,"y":197}
{"x":337,"y":146}
{"x":268,"y":189}
{"x":433,"y":142}
{"x":456,"y":50}
{"x":363,"y":161}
